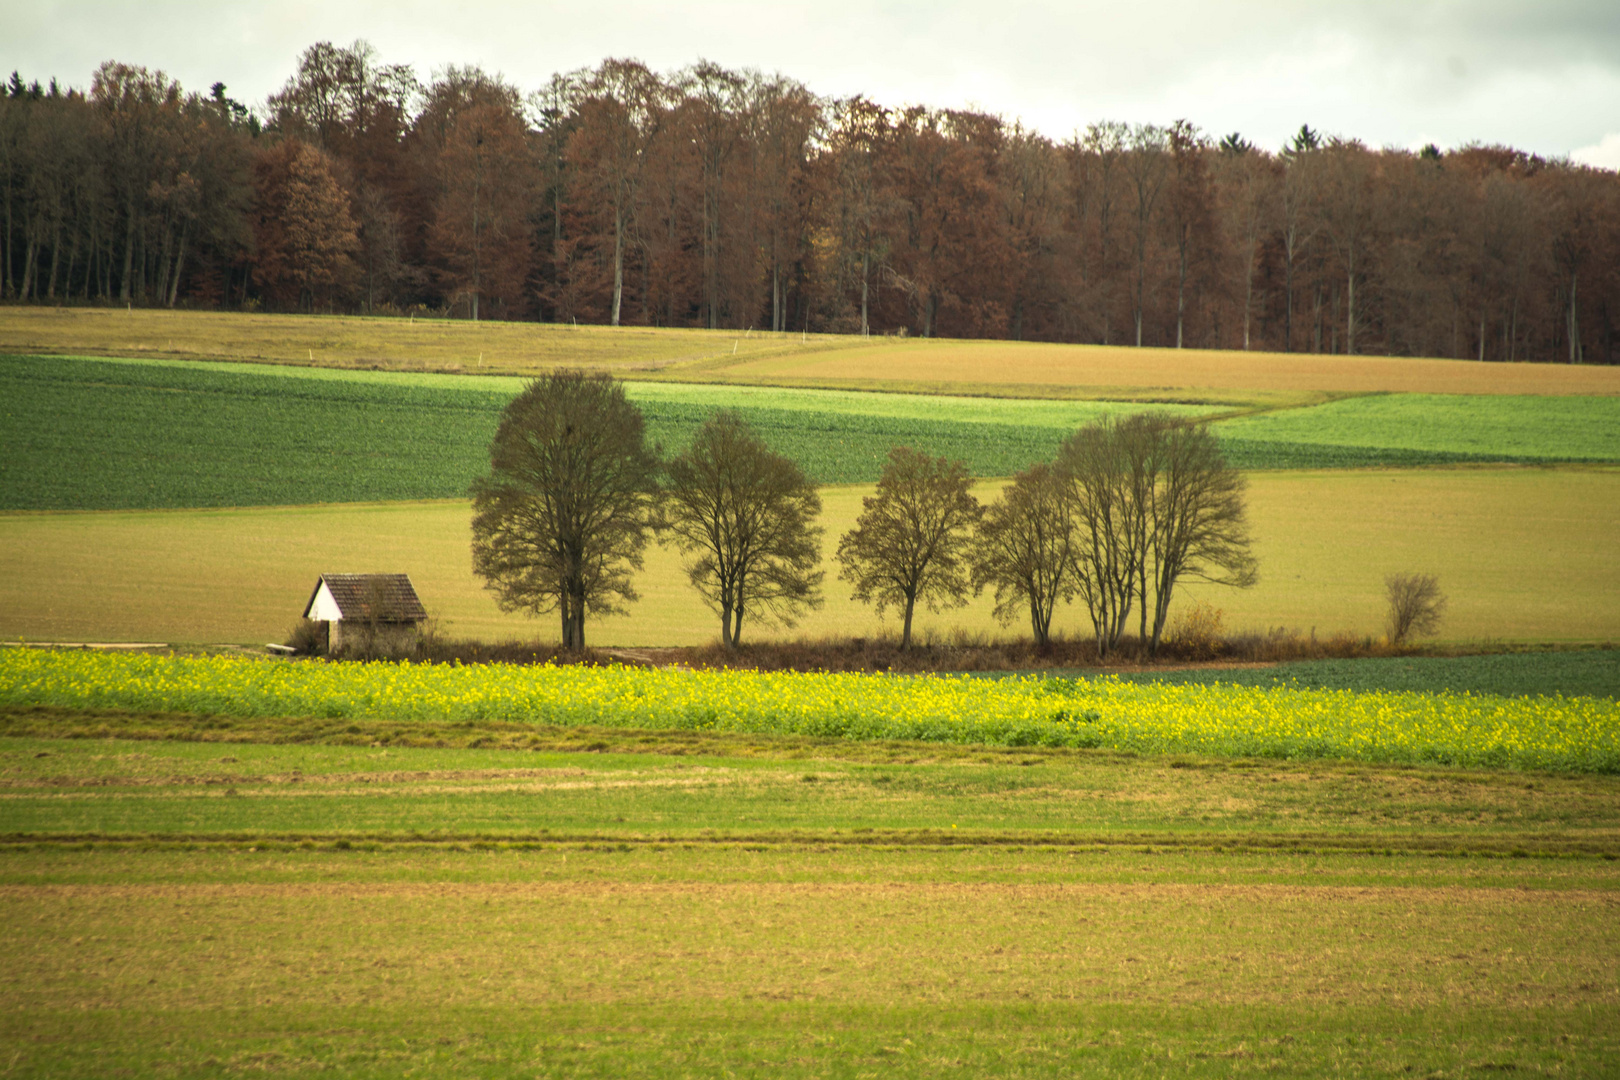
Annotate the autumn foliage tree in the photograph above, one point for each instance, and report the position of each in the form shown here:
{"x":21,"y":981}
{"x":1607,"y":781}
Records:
{"x":482,"y":177}
{"x":305,"y":237}
{"x":730,"y":198}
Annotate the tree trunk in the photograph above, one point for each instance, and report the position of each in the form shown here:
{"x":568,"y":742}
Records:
{"x":1350,"y":308}
{"x":618,"y":265}
{"x":1139,"y":304}
{"x":28,"y":268}
{"x":1161,"y":612}
{"x":163,"y":265}
{"x":179,"y":265}
{"x":1181,"y":291}
{"x":1574,"y":323}
{"x":5,"y":248}
{"x":56,"y":261}
{"x":1288,"y":302}
{"x":129,"y":253}
{"x":905,"y":631}
{"x":866,"y":269}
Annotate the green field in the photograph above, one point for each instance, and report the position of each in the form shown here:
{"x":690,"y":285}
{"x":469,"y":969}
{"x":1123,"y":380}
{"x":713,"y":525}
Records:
{"x":1592,"y":673}
{"x":1499,"y":427}
{"x":785,"y":908}
{"x":96,"y":434}
{"x":91,"y":434}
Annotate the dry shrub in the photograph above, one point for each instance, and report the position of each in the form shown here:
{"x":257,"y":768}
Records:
{"x":306,"y":638}
{"x":959,"y":651}
{"x":1198,"y":632}
{"x":1282,"y":643}
{"x":437,"y":650}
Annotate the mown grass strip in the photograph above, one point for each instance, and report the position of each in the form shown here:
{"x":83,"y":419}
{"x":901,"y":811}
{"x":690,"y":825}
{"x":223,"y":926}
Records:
{"x":1495,"y":846}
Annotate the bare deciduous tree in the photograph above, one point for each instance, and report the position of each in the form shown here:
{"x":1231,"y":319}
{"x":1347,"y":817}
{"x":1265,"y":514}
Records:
{"x":1416,"y":605}
{"x":1155,"y":503}
{"x":747,"y":515}
{"x":912,"y":540}
{"x":1197,"y":525}
{"x":562,"y":519}
{"x":1109,"y":468}
{"x":1026,"y":547}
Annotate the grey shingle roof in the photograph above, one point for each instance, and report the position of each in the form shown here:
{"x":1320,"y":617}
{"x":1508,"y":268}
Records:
{"x":355,"y":593}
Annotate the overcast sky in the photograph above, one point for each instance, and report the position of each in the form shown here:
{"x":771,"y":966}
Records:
{"x":1542,"y":75}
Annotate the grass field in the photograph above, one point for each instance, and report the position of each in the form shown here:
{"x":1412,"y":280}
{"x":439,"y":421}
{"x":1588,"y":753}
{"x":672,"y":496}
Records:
{"x":91,"y":434}
{"x":1594,"y":673}
{"x":1523,"y":554}
{"x":1510,"y":427}
{"x":930,"y":366}
{"x":786,"y":909}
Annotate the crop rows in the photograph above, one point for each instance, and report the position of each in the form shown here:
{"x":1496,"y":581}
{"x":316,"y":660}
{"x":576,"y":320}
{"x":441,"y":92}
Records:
{"x":1542,"y":732}
{"x":1588,"y":673}
{"x":90,"y":434}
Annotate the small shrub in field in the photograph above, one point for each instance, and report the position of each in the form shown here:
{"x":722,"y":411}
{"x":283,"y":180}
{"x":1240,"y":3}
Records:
{"x":1198,"y":632}
{"x":306,"y":638}
{"x":1416,"y":605}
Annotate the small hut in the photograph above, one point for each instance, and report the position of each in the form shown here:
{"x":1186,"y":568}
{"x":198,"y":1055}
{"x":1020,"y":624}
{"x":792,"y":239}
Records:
{"x":366,"y":613}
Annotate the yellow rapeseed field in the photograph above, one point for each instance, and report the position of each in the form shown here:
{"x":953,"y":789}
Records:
{"x":1465,"y":729}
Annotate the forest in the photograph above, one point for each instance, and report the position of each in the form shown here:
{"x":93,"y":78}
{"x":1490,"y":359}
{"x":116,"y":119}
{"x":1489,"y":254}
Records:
{"x":721,"y":198}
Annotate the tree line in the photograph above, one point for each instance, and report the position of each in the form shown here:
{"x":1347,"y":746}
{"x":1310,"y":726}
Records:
{"x":1126,"y":511}
{"x":718,"y":198}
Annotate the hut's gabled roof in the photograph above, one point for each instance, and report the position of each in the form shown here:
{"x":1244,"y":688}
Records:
{"x":355,"y":595}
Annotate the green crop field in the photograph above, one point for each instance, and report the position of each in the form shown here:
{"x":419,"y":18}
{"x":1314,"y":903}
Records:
{"x":741,"y":906}
{"x":1592,"y":673}
{"x":89,"y":434}
{"x":93,"y":434}
{"x":1516,"y":427}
